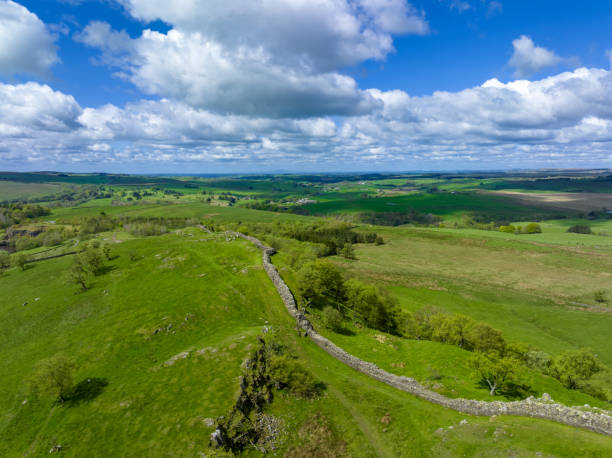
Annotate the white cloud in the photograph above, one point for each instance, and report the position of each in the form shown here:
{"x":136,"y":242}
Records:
{"x":563,"y":120}
{"x":528,"y":58}
{"x":26,"y":46}
{"x":273,"y":58}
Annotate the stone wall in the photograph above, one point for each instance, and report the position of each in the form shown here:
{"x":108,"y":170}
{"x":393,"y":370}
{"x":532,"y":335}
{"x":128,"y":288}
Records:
{"x":545,"y":408}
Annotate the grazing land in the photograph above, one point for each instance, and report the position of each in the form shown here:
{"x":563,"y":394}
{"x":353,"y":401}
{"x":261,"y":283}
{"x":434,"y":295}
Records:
{"x":168,"y":325}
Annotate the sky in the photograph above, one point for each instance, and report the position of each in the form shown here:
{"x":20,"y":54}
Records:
{"x":236,"y":86}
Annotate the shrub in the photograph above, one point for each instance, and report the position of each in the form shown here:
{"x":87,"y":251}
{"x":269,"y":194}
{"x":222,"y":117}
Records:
{"x":348,"y":251}
{"x":533,"y":228}
{"x":451,"y":329}
{"x":580,"y":229}
{"x":600,"y":296}
{"x":373,"y":307}
{"x":21,"y":260}
{"x":332,"y":318}
{"x":287,"y":373}
{"x":321,"y":284}
{"x":537,"y":360}
{"x":5,"y":259}
{"x":510,"y":229}
{"x":574,"y":367}
{"x":482,"y":337}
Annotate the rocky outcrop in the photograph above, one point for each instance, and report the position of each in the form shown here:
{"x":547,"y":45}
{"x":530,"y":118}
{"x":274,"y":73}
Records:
{"x":544,"y":408}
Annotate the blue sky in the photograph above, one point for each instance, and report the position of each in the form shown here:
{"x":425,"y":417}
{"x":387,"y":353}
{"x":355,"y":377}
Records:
{"x":233,"y":86}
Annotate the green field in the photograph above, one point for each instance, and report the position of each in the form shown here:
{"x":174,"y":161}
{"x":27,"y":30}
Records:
{"x":164,"y":330}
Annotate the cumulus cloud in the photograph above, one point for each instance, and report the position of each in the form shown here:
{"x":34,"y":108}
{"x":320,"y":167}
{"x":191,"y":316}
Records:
{"x":272,"y":58}
{"x":528,"y":58}
{"x":549,"y":122}
{"x":26,"y":46}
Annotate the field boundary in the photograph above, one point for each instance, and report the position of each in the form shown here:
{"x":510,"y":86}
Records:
{"x":547,"y":409}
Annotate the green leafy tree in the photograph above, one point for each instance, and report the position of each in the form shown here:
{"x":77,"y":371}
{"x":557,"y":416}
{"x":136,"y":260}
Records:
{"x":575,"y":366}
{"x":533,"y":228}
{"x":5,"y":259}
{"x":21,"y":260}
{"x":348,"y":251}
{"x":321,"y":283}
{"x":451,"y":329}
{"x":376,"y":309}
{"x":333,"y":318}
{"x":482,"y":337}
{"x":85,"y":265}
{"x":494,"y":370}
{"x":53,"y":377}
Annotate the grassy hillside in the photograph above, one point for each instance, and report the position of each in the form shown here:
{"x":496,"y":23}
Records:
{"x":160,"y":339}
{"x":217,"y":299}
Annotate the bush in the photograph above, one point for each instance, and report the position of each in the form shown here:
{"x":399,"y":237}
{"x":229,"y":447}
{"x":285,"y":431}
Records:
{"x":600,"y":296}
{"x":374,"y":308}
{"x":332,"y":318}
{"x":580,"y":229}
{"x":533,"y":228}
{"x":482,"y":337}
{"x":321,"y":283}
{"x":510,"y":229}
{"x":574,"y":367}
{"x":287,"y":373}
{"x":21,"y":260}
{"x":537,"y":360}
{"x":348,"y":251}
{"x":5,"y":259}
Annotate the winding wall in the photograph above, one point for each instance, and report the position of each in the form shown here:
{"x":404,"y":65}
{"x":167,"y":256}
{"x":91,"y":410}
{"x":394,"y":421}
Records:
{"x":530,"y":407}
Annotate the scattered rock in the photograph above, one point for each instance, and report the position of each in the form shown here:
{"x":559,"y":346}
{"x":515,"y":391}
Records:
{"x":216,"y":438}
{"x":381,"y":339}
{"x":546,"y":397}
{"x":169,"y":327}
{"x":37,"y":298}
{"x":209,"y":422}
{"x":24,"y":402}
{"x":56,"y":448}
{"x":24,"y":304}
{"x":463,"y":422}
{"x":386,"y":419}
{"x":175,"y":358}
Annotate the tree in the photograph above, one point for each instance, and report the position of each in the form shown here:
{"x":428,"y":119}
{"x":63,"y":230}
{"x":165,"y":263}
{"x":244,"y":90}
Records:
{"x":574,"y":366}
{"x":333,"y":318}
{"x":493,"y":369}
{"x":5,"y":259}
{"x":376,"y":309}
{"x":451,"y":329}
{"x":53,"y":377}
{"x":321,"y":283}
{"x":482,"y":337}
{"x":508,"y":229}
{"x":85,"y":265}
{"x":21,"y":260}
{"x":533,"y":228}
{"x":348,"y":251}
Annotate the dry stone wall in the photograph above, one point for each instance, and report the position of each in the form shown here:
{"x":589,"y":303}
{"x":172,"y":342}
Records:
{"x":545,"y":408}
